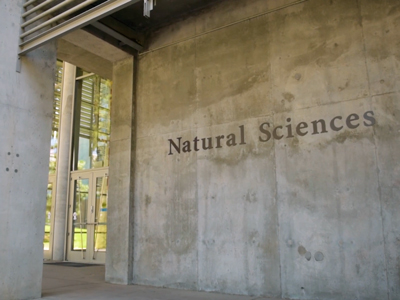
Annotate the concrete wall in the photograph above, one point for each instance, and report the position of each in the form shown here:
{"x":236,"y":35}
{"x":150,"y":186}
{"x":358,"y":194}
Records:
{"x":26,"y":103}
{"x":305,"y":217}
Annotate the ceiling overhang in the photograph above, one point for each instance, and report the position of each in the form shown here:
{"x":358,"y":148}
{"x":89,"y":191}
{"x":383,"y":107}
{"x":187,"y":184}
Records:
{"x":124,"y":24}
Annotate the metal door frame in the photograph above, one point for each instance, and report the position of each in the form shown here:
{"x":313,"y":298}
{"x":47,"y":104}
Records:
{"x":89,"y":255}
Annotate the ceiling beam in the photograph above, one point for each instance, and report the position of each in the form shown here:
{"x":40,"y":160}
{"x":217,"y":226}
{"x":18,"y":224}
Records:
{"x":123,"y":29}
{"x":117,"y":35}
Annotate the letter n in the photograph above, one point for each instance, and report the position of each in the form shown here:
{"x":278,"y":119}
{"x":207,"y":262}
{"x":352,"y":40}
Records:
{"x":177,"y":148}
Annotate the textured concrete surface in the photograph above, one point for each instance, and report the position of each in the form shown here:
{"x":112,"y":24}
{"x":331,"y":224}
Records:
{"x":311,"y":215}
{"x":95,"y":45}
{"x":26,"y":103}
{"x":67,"y":283}
{"x":89,"y":53}
{"x":89,"y":61}
{"x":119,"y":257}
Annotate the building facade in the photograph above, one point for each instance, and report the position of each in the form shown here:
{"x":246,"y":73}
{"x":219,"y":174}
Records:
{"x":253,"y":151}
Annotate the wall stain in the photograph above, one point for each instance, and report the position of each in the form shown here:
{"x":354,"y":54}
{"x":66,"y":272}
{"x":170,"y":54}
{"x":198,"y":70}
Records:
{"x":293,"y":145}
{"x":240,"y":82}
{"x":233,"y":159}
{"x":253,"y":238}
{"x":147,"y":201}
{"x":302,"y":251}
{"x":347,"y":135}
{"x":358,"y":268}
{"x":340,"y":88}
{"x":394,"y":11}
{"x":251,"y":197}
{"x":288,"y":96}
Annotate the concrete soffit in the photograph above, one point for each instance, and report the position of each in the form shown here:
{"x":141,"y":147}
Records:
{"x":95,"y":45}
{"x":89,"y":52}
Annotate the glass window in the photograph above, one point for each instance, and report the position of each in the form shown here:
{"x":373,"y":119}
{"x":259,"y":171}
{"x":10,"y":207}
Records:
{"x":92,"y":122}
{"x":56,"y":118}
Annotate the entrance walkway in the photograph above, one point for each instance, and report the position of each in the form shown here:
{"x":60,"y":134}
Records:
{"x":68,"y":283}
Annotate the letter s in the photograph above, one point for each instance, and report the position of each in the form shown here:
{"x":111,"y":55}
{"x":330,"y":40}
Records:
{"x":265,"y":131}
{"x":369,"y":117}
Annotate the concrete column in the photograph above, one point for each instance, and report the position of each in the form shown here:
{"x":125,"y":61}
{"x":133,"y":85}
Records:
{"x":26,"y":105}
{"x":63,"y":164}
{"x":119,"y":259}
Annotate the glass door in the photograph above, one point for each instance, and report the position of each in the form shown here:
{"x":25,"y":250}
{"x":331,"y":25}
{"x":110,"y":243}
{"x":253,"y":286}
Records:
{"x":87,"y":230}
{"x":48,"y":227}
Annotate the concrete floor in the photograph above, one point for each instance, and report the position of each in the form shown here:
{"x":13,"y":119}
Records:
{"x":64,"y":283}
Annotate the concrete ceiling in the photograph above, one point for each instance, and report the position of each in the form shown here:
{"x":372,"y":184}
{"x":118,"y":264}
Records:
{"x":131,"y":23}
{"x":95,"y":49}
{"x":164,"y":12}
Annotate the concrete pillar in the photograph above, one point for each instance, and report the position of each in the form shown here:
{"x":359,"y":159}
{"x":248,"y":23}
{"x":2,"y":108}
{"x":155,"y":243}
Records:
{"x":119,"y":259}
{"x":26,"y":105}
{"x":63,"y":164}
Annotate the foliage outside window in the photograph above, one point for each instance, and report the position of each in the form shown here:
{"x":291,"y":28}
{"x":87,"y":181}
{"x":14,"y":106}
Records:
{"x":93,"y":126}
{"x":56,"y":118}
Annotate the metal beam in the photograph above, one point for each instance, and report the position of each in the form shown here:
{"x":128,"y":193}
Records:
{"x":75,"y":23}
{"x":117,"y":35}
{"x":123,"y":29}
{"x":29,"y":3}
{"x":54,"y":19}
{"x":35,"y":8}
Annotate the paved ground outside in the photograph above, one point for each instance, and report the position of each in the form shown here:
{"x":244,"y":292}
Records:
{"x":64,"y":283}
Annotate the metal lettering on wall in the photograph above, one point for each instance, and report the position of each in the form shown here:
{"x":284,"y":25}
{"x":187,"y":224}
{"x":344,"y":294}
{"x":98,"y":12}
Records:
{"x":267,"y":132}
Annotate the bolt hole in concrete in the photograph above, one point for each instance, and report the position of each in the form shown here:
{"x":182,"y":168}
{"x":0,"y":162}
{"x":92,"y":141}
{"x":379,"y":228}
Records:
{"x":308,"y":256}
{"x":16,"y":171}
{"x":319,"y":256}
{"x":9,"y":153}
{"x":7,"y":169}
